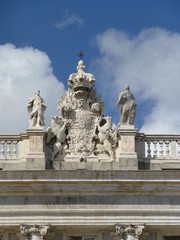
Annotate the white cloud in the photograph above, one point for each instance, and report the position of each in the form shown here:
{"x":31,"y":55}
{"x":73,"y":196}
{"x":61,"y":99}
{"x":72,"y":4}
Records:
{"x":69,"y":20}
{"x":150,"y":63}
{"x":22,"y":71}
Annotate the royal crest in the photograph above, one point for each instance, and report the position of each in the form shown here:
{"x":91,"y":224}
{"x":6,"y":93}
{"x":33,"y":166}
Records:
{"x":82,"y":133}
{"x":78,"y":131}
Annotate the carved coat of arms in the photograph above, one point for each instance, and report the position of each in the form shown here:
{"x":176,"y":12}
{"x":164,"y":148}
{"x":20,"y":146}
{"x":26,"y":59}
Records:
{"x":81,"y":128}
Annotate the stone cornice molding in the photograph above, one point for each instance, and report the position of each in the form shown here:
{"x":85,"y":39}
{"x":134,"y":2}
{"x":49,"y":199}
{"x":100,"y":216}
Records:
{"x":29,"y":230}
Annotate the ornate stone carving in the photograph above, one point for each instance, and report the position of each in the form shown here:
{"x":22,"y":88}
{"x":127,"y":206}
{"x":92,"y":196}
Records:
{"x":81,"y":130}
{"x":81,"y":83}
{"x":36,"y":108}
{"x":82,"y":133}
{"x":34,"y":231}
{"x":58,"y":129}
{"x":134,"y":231}
{"x":106,"y":136}
{"x":127,"y":107}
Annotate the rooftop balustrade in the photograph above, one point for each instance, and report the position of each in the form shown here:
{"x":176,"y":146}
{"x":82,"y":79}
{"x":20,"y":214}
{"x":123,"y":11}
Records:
{"x":13,"y":147}
{"x":158,"y":149}
{"x":159,"y":146}
{"x":153,"y":151}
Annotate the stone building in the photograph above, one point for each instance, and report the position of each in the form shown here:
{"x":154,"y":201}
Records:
{"x":82,"y":179}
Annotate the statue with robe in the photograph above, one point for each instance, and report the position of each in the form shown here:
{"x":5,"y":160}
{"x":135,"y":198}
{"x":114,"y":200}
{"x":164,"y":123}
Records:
{"x":127,"y":107}
{"x":36,"y":108}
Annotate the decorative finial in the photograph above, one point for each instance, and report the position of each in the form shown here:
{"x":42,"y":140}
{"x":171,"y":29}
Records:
{"x":80,"y":54}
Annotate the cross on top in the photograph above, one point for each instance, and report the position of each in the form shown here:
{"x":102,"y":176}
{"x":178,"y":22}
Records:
{"x":80,"y":54}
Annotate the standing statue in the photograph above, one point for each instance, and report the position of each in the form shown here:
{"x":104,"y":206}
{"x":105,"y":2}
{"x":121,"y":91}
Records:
{"x":127,"y":106}
{"x":36,"y":108}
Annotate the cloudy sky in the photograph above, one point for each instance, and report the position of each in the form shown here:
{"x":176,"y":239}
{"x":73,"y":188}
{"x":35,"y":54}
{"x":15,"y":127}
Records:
{"x":124,"y":41}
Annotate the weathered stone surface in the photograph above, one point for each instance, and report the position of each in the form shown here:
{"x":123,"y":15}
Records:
{"x":81,"y":132}
{"x":96,"y":198}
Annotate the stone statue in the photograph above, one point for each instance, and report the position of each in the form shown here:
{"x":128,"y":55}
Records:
{"x":107,"y":138}
{"x":59,"y":129}
{"x":127,"y":106}
{"x":36,"y":108}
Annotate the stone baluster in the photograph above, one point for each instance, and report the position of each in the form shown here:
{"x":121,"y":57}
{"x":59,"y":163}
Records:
{"x":2,"y":156}
{"x":154,"y":149}
{"x":173,"y":149}
{"x":129,"y":232}
{"x":178,"y":149}
{"x":34,"y":232}
{"x":14,"y":150}
{"x":8,"y":156}
{"x":148,"y":149}
{"x":161,"y":149}
{"x":167,"y":150}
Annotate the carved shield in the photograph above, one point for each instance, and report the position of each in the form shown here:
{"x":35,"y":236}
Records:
{"x":82,"y":133}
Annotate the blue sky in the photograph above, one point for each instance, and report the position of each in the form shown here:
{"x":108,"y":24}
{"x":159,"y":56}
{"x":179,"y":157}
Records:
{"x":137,"y":42}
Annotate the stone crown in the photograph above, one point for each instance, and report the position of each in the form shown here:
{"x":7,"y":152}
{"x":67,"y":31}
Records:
{"x":81,"y":81}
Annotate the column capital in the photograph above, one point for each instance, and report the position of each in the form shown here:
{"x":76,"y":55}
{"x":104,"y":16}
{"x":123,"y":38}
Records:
{"x":29,"y":230}
{"x":133,"y":230}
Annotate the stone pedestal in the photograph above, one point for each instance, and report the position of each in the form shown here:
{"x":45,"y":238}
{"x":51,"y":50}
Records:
{"x":34,"y":232}
{"x":127,"y":155}
{"x":36,"y":157}
{"x":129,"y":232}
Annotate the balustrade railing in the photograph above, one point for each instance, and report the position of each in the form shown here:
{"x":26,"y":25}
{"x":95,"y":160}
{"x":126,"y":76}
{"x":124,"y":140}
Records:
{"x":147,"y":146}
{"x":9,"y":146}
{"x":158,"y":146}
